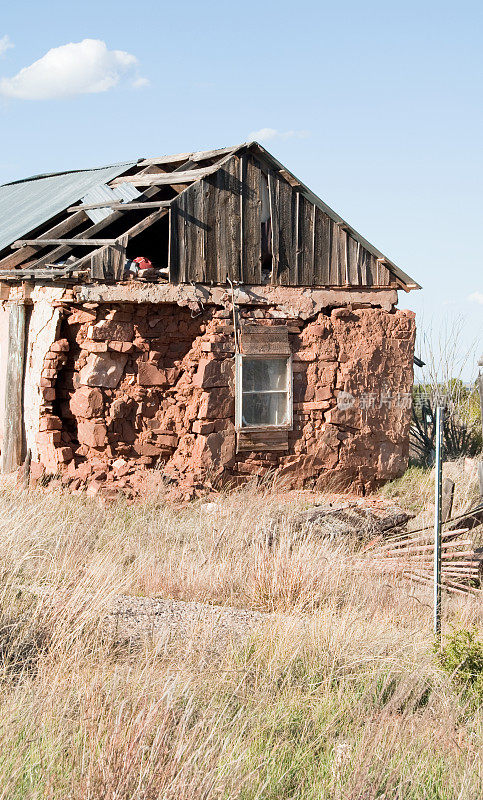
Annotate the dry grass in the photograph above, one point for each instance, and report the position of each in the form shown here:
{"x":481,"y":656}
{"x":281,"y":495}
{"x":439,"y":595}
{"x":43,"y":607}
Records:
{"x":344,"y":700}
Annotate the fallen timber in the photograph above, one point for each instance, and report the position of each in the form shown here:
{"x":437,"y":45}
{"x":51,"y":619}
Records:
{"x":411,"y":557}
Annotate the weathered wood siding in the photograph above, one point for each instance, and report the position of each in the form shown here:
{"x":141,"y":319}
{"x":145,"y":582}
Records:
{"x":215,"y":234}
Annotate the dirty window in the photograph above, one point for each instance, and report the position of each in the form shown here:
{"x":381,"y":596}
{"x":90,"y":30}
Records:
{"x":263,"y":392}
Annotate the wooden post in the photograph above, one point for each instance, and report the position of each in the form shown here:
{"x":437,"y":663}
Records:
{"x":12,"y":449}
{"x":480,"y":389}
{"x":438,"y":473}
{"x":447,"y":501}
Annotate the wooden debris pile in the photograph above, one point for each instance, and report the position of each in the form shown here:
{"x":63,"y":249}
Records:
{"x":411,"y":556}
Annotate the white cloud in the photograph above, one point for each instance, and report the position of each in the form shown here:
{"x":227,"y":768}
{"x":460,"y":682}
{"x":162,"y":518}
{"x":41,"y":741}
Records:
{"x":86,"y":67}
{"x":476,"y":297}
{"x":139,"y":82}
{"x":5,"y":44}
{"x":266,"y":134}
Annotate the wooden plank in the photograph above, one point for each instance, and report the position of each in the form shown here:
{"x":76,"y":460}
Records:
{"x":264,"y":339}
{"x":199,"y":155}
{"x":275,"y":223}
{"x":298,"y":236}
{"x":70,"y":242}
{"x":322,"y":248}
{"x":258,"y":441}
{"x":282,"y":203}
{"x":118,"y":206}
{"x":165,"y":178}
{"x":447,"y":499}
{"x":384,"y":277}
{"x":195,"y":234}
{"x":173,"y":260}
{"x":12,"y":446}
{"x":307,"y":242}
{"x":108,"y":262}
{"x":227,"y":224}
{"x":212,"y":212}
{"x":251,"y":221}
{"x":338,"y":262}
{"x":353,"y":266}
{"x":181,"y":224}
{"x":234,"y":190}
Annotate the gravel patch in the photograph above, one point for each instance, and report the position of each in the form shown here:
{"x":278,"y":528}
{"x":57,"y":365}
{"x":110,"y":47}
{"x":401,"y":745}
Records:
{"x":176,"y":621}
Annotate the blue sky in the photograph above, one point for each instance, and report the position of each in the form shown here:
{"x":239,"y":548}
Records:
{"x":377,"y":106}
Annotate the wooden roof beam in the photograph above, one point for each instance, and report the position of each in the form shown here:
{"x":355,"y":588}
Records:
{"x":57,"y":242}
{"x":199,"y":155}
{"x":166,"y":178}
{"x":118,"y":206}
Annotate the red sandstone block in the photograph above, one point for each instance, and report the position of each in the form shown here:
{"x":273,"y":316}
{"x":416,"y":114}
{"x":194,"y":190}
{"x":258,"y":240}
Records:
{"x":150,"y":375}
{"x":203,"y":427}
{"x":305,"y":355}
{"x":50,"y":424}
{"x":148,"y":449}
{"x":46,"y":438}
{"x":213,"y":373}
{"x":64,"y":454}
{"x":166,"y":439}
{"x":46,"y":382}
{"x":48,"y":393}
{"x":217,"y":404}
{"x":49,"y":373}
{"x":141,"y":344}
{"x":60,"y":346}
{"x":94,"y":347}
{"x":92,"y":433}
{"x":215,"y":347}
{"x":323,"y":393}
{"x":318,"y":405}
{"x":121,"y":347}
{"x":111,"y":330}
{"x":87,"y":401}
{"x":80,"y":316}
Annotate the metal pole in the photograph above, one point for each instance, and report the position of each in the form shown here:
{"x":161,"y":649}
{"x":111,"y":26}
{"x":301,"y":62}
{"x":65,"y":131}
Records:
{"x":437,"y":520}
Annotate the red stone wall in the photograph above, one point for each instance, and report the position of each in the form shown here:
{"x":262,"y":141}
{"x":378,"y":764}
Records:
{"x":128,"y":388}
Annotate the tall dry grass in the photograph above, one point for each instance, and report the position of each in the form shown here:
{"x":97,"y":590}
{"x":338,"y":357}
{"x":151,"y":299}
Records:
{"x":338,"y":695}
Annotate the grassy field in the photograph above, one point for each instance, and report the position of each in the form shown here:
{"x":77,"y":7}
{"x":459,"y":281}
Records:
{"x":339,"y":695}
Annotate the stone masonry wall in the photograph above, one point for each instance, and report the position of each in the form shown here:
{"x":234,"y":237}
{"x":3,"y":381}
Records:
{"x":131,"y":387}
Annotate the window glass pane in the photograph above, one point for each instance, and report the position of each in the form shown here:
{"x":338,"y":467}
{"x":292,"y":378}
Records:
{"x":261,"y":374}
{"x":265,"y":409}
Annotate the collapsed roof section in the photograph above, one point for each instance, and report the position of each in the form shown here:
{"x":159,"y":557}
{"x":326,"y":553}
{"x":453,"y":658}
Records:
{"x":234,"y":213}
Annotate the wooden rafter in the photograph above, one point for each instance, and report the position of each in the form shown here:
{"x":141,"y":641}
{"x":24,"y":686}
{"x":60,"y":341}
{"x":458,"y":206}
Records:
{"x":165,"y":178}
{"x":71,"y":242}
{"x":199,"y":155}
{"x":118,"y":206}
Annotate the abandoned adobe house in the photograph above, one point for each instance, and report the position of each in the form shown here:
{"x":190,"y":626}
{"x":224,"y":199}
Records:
{"x":202,"y":317}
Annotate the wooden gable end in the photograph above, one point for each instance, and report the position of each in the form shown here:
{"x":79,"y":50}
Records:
{"x":216,"y":234}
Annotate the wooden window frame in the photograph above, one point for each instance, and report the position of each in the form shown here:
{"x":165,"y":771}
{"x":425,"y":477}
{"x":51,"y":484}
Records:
{"x":288,"y":426}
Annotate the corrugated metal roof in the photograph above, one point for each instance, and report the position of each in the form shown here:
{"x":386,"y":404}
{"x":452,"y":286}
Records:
{"x":122,"y":194}
{"x":26,"y":204}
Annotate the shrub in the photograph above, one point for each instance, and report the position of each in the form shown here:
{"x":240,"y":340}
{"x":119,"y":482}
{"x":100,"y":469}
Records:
{"x":462,"y":657}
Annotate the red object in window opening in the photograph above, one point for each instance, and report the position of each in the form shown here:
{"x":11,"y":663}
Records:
{"x":143,"y":263}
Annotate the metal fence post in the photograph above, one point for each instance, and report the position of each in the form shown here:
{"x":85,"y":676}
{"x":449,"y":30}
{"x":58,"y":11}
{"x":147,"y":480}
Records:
{"x":437,"y":521}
